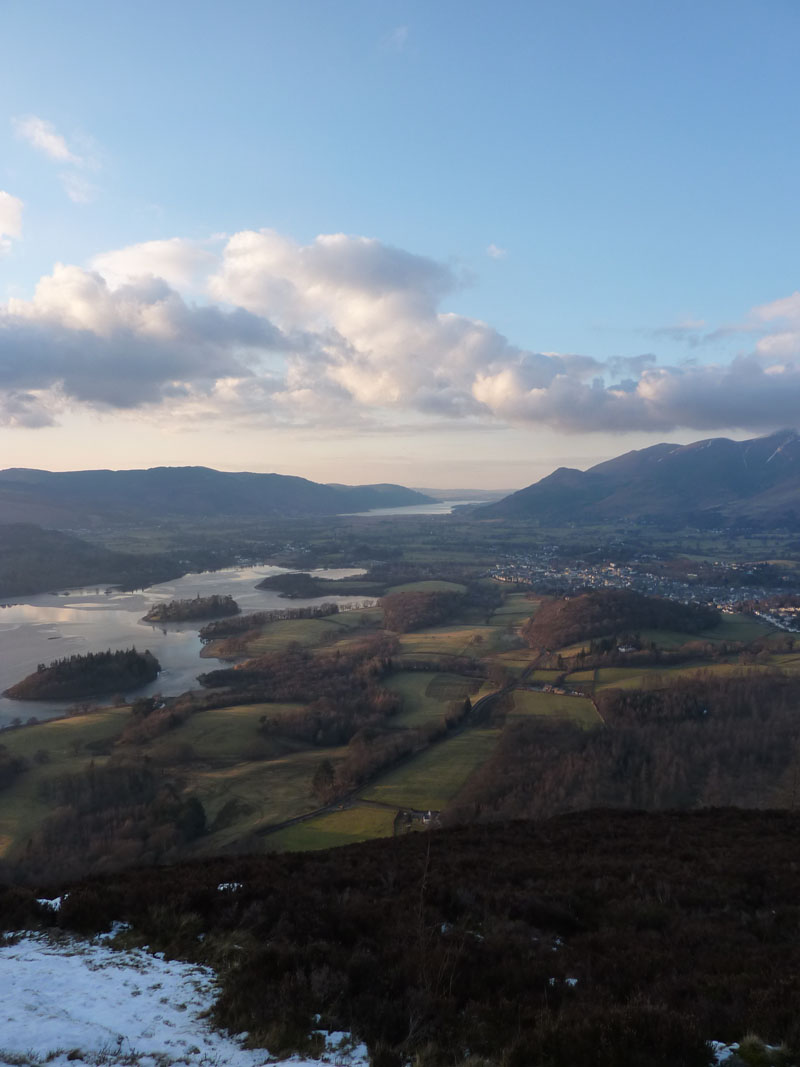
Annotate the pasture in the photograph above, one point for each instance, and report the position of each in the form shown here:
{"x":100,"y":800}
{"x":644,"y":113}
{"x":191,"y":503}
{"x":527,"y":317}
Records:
{"x":346,"y":827}
{"x":222,"y":736}
{"x":528,"y":703}
{"x":427,"y":694}
{"x":429,"y":586}
{"x":276,"y":636}
{"x":452,"y":640}
{"x":249,"y":795}
{"x":431,"y":779}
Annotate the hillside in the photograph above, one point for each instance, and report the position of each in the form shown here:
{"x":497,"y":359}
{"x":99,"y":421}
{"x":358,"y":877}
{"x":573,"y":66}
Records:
{"x":610,"y":940}
{"x":33,"y":560}
{"x":708,"y":483}
{"x":612,"y":612}
{"x":86,"y":498}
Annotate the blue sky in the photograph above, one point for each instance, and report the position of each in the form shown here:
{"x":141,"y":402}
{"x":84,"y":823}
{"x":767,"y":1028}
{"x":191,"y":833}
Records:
{"x":609,"y":191}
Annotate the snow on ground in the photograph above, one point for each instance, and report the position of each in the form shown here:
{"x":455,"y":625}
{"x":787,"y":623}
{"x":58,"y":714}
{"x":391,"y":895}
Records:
{"x":69,"y":1001}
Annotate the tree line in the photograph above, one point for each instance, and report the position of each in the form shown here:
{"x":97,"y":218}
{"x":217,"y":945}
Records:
{"x":598,"y":613}
{"x":709,"y":740}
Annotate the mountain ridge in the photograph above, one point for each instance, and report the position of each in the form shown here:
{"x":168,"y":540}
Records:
{"x":708,"y":482}
{"x":67,"y":498}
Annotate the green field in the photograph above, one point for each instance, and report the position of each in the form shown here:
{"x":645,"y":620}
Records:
{"x":427,"y":694}
{"x":249,"y":795}
{"x":223,"y":735}
{"x":345,"y":827}
{"x":65,"y":738}
{"x":653,"y":677}
{"x":516,"y":608}
{"x":550,"y":676}
{"x":731,"y":628}
{"x":450,"y":641}
{"x":432,"y":586}
{"x":70,"y":744}
{"x":238,"y":776}
{"x":515,"y":659}
{"x":554,"y":705}
{"x":431,"y":779}
{"x":276,"y":636}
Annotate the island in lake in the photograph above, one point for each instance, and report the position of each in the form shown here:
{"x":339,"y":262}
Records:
{"x":200,"y":607}
{"x":90,"y":675}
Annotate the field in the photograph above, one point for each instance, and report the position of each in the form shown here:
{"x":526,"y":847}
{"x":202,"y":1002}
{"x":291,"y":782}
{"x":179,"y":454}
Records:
{"x":516,"y":608}
{"x":243,"y":780}
{"x":528,"y":703}
{"x":249,"y":780}
{"x":426,"y":694}
{"x":655,"y":677}
{"x":250,"y":795}
{"x":223,"y":735}
{"x":69,"y":744}
{"x":731,"y":628}
{"x":450,"y":640}
{"x":359,"y":823}
{"x":276,"y":636}
{"x":431,"y":779}
{"x":433,"y":586}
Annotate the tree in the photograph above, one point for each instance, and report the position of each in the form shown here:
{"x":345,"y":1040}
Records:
{"x":323,"y":783}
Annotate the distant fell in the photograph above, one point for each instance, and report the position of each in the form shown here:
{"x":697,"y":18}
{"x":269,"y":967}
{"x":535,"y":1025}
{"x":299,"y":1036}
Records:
{"x":709,"y":483}
{"x":86,"y":498}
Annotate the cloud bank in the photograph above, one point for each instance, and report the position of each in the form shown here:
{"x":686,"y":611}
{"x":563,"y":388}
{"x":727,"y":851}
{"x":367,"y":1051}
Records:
{"x":345,"y":331}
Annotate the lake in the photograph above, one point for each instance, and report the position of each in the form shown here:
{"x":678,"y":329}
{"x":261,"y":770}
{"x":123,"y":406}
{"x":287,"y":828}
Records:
{"x":48,"y":626}
{"x":437,"y":507}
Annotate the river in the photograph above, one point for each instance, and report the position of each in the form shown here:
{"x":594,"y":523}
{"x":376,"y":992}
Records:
{"x":38,"y":629}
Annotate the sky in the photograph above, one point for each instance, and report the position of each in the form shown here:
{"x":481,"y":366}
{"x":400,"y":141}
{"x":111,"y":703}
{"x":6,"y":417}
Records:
{"x":446,"y":244}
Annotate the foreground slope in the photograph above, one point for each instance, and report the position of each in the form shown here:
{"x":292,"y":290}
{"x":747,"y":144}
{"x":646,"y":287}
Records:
{"x":705,"y":483}
{"x":603,"y":939}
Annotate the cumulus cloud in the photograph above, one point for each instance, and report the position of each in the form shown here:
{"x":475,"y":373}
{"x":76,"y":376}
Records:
{"x":77,"y":341}
{"x":495,"y":252}
{"x":43,"y":136}
{"x":176,"y":260}
{"x":346,"y":331}
{"x":10,"y":219}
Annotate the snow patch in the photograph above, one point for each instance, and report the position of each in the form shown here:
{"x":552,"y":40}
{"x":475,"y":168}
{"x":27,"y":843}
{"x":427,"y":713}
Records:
{"x":71,"y":1001}
{"x":53,"y":903}
{"x":721,"y":1051}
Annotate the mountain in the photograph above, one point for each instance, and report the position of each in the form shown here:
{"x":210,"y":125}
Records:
{"x":84,"y":498}
{"x":707,"y":483}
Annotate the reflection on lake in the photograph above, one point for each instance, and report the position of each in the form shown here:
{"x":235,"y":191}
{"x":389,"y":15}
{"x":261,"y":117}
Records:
{"x":48,"y":626}
{"x":437,"y":507}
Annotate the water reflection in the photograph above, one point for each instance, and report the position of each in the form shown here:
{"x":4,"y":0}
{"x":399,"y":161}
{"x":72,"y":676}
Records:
{"x":44,"y":627}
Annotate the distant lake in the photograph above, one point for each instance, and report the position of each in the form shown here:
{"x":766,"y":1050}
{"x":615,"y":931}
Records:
{"x":438,"y":507}
{"x":48,"y":626}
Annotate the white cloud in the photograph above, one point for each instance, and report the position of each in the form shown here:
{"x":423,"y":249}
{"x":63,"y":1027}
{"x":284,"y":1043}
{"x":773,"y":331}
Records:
{"x":10,"y":219}
{"x":44,"y":137}
{"x":176,"y":260}
{"x":79,"y":342}
{"x":346,"y":332}
{"x":495,"y":252}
